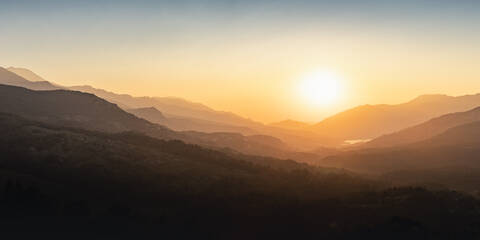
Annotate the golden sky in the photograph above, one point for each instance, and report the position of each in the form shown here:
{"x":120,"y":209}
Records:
{"x":248,"y":60}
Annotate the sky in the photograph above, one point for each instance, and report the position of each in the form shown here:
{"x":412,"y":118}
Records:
{"x":250,"y":57}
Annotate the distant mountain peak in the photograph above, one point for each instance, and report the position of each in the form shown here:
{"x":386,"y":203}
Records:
{"x":427,"y":129}
{"x":27,"y":74}
{"x":153,"y":109}
{"x":22,"y":77}
{"x":373,"y":121}
{"x":430,"y":98}
{"x":150,"y":113}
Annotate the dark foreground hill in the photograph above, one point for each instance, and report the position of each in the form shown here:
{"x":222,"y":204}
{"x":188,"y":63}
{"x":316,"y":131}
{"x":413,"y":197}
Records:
{"x":450,"y":159}
{"x":60,"y":183}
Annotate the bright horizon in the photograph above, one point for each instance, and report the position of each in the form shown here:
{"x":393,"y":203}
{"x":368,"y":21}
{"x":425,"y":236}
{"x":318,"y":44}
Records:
{"x":247,"y":57}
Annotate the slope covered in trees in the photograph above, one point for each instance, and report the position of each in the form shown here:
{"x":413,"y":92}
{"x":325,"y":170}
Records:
{"x":59,"y":180}
{"x":449,"y":159}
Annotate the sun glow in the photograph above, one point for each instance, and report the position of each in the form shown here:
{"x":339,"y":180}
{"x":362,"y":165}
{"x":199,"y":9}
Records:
{"x":320,"y":88}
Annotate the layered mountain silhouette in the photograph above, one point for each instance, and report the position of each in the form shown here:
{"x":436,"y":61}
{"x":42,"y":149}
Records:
{"x":71,"y":108}
{"x":70,"y":140}
{"x":84,"y":110}
{"x":184,"y":115}
{"x":75,"y":162}
{"x":11,"y":78}
{"x":363,"y":122}
{"x":174,"y":107}
{"x":456,"y":146}
{"x":27,"y":74}
{"x":425,"y":130}
{"x":169,"y":106}
{"x":149,"y":112}
{"x":295,"y":141}
{"x":187,"y":124}
{"x":454,"y":152}
{"x":371,"y":121}
{"x":220,"y":135}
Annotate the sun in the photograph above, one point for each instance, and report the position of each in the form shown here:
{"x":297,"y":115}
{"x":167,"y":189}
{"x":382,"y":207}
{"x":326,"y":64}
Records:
{"x":320,"y":88}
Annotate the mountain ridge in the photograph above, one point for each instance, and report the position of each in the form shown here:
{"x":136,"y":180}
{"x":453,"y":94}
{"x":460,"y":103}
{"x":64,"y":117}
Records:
{"x":10,"y":78}
{"x":454,"y":152}
{"x":425,"y":130}
{"x":167,"y":105}
{"x":372,"y":121}
{"x":27,"y":74}
{"x":85,"y":110}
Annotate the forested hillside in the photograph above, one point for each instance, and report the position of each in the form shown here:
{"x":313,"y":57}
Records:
{"x":57,"y":180}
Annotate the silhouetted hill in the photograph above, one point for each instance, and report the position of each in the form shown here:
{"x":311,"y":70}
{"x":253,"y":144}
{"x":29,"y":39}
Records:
{"x":457,"y":146}
{"x":455,"y":151}
{"x":84,"y":110}
{"x":32,"y":81}
{"x":169,"y":106}
{"x":71,"y":108}
{"x":9,"y":78}
{"x":187,"y":124}
{"x":149,"y":113}
{"x":253,"y":142}
{"x":466,"y":135}
{"x":426,"y":130}
{"x":27,"y":74}
{"x":290,"y":124}
{"x":57,"y":139}
{"x":57,"y":181}
{"x":371,"y":121}
{"x":185,"y":115}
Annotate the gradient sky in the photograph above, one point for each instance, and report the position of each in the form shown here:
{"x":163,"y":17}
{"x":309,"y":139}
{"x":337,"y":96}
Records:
{"x":249,"y":56}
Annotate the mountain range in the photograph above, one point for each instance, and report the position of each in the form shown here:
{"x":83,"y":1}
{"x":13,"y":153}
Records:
{"x":425,"y":130}
{"x":63,"y":180}
{"x":10,"y":78}
{"x":184,"y":115}
{"x":371,"y":121}
{"x":121,"y":162}
{"x":187,"y":123}
{"x":359,"y":123}
{"x":27,"y":74}
{"x":456,"y":146}
{"x":449,"y":158}
{"x":388,"y":125}
{"x":84,"y":110}
{"x":169,"y":106}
